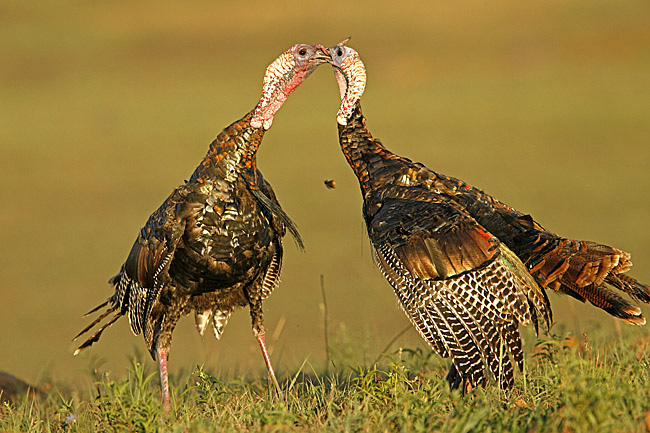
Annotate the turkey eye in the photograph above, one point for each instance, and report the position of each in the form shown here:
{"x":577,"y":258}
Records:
{"x":339,"y":52}
{"x":302,"y":52}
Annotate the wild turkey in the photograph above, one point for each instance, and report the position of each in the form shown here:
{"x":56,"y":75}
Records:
{"x":466,"y":268}
{"x":216,"y":242}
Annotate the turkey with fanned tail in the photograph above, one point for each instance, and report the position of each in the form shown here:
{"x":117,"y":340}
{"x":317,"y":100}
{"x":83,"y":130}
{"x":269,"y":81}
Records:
{"x":467,"y":269}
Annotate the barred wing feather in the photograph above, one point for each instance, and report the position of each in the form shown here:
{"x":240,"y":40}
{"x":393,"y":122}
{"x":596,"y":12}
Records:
{"x":463,"y":290}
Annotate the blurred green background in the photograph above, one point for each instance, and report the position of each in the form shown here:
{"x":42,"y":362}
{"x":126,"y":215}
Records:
{"x":105,"y":107}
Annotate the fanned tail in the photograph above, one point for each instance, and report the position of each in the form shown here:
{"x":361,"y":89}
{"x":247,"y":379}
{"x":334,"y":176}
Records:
{"x":583,"y":269}
{"x":605,"y":299}
{"x":636,"y":289}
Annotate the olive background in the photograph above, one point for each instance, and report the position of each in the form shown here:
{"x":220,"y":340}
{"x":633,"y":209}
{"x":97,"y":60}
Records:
{"x":105,"y":107}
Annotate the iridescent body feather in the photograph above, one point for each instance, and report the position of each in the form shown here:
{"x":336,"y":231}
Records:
{"x":215,"y":244}
{"x":467,"y":269}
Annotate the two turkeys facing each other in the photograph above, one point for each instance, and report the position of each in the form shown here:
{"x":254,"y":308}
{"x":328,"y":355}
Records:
{"x":466,"y":268}
{"x":215,"y":243}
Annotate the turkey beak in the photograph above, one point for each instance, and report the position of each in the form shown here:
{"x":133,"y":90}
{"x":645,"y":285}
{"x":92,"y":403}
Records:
{"x":321,"y":55}
{"x":331,"y":52}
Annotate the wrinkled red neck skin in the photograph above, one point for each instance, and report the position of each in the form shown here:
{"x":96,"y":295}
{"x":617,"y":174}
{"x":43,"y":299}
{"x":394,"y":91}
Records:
{"x":267,"y":110}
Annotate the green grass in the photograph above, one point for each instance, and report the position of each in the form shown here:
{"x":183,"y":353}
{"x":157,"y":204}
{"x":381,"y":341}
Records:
{"x":574,"y":385}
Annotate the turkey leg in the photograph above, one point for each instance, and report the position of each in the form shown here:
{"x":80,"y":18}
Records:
{"x":164,"y":380}
{"x":260,"y":339}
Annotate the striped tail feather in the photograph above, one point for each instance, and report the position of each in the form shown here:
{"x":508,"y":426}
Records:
{"x":583,"y":269}
{"x":97,"y":308}
{"x":636,"y":289}
{"x":129,"y":298}
{"x":96,"y":321}
{"x":95,"y":337}
{"x":605,"y":299}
